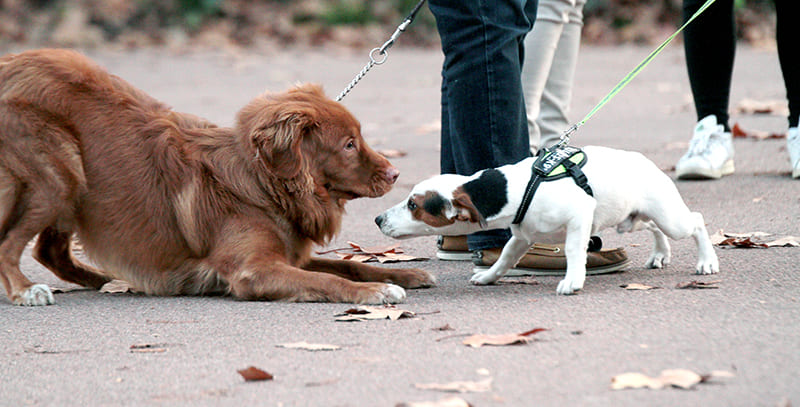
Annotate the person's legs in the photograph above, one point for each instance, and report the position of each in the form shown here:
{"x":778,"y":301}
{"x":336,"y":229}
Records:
{"x":482,"y":102}
{"x":551,"y":56}
{"x":710,"y":47}
{"x":786,"y":34}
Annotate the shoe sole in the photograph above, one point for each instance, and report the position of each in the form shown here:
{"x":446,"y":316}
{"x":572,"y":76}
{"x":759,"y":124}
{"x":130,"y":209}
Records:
{"x":524,"y":272}
{"x":453,"y":255}
{"x":796,"y":173}
{"x":698,"y":173}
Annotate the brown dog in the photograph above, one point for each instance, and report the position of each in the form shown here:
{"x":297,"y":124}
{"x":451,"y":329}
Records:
{"x":173,"y":204}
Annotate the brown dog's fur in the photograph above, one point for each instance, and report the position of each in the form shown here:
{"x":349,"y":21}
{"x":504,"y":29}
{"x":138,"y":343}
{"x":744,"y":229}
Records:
{"x":173,"y":204}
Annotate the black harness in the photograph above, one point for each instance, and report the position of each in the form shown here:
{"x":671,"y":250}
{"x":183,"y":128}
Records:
{"x":550,"y":165}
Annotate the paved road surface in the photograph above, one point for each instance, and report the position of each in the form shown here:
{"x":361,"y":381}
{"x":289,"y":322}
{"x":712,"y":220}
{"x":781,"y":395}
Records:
{"x":77,"y":353}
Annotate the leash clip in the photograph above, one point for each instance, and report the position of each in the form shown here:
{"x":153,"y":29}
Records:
{"x":564,"y":139}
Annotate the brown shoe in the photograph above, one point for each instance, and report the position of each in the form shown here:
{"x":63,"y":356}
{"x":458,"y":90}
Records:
{"x":453,"y":248}
{"x":549,"y":260}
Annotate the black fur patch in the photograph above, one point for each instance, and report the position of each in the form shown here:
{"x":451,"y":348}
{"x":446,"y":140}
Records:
{"x":489,"y":192}
{"x":434,"y":204}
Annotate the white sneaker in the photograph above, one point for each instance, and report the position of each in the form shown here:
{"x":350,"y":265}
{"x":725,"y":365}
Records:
{"x":710,"y":154}
{"x":793,"y":145}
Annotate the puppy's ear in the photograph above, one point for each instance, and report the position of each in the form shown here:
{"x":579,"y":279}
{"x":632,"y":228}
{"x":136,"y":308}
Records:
{"x":465,"y":209}
{"x":273,"y":127}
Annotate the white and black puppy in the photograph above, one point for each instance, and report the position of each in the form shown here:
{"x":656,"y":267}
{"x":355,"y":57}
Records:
{"x":629,"y":192}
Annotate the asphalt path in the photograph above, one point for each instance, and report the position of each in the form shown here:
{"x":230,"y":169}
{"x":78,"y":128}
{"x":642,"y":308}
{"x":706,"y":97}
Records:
{"x":78,"y":352}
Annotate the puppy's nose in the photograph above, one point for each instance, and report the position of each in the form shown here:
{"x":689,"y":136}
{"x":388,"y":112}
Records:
{"x":391,"y":174}
{"x":379,"y":220}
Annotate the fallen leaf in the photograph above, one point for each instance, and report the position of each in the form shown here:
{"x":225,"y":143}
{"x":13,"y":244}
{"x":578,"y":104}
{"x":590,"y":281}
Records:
{"x":753,"y":239}
{"x":308,"y":346}
{"x":116,"y":287}
{"x":752,"y":106}
{"x":738,"y":132}
{"x":694,"y":284}
{"x":445,"y":327}
{"x":680,"y":378}
{"x":365,"y":313}
{"x":458,"y":387}
{"x":383,"y":254}
{"x":637,"y":286}
{"x":476,"y":341}
{"x":253,"y":374}
{"x":445,"y":402}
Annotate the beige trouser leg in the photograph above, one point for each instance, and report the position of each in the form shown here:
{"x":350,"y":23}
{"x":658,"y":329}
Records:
{"x":551,"y":53}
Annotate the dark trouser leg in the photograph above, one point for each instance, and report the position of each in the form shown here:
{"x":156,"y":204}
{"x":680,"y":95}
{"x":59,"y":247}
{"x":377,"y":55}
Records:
{"x":483,"y":111}
{"x":710,"y":46}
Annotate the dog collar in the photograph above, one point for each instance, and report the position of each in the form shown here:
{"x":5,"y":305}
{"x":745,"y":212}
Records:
{"x":550,"y":165}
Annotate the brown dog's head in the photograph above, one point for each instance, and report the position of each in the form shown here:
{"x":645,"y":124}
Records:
{"x":302,"y":133}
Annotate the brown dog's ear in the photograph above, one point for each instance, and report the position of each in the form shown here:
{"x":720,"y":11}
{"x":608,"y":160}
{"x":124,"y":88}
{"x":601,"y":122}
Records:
{"x":465,"y":209}
{"x":274,"y":126}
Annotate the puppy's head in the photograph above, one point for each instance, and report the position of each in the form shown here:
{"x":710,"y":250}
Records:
{"x":437,"y":206}
{"x":302,"y":133}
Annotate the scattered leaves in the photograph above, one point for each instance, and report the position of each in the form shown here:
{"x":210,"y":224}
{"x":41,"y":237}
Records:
{"x":640,"y":287}
{"x":309,"y":346}
{"x":445,"y":402}
{"x":458,"y":387}
{"x":753,"y":239}
{"x":116,"y":287}
{"x":752,"y":106}
{"x":694,"y":284}
{"x":383,"y":254}
{"x":739,"y":132}
{"x":476,"y":341}
{"x":680,"y":378}
{"x":365,"y":313}
{"x":254,"y":374}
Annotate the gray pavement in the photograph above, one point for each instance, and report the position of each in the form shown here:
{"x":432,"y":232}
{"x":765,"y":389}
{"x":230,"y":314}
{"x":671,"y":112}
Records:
{"x":77,"y":352}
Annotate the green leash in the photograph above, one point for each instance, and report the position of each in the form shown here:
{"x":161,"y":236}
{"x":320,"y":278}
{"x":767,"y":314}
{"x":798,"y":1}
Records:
{"x":565,"y":137}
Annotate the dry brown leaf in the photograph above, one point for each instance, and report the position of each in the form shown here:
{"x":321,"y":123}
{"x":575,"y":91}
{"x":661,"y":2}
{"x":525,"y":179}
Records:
{"x":254,"y":374}
{"x":637,"y":286}
{"x":445,"y":402}
{"x":116,"y":287}
{"x":476,"y":341}
{"x":739,"y":132}
{"x":384,"y":254}
{"x":680,"y":378}
{"x":365,"y":313}
{"x":753,"y":239}
{"x":752,"y":106}
{"x":694,"y":284}
{"x":309,"y":346}
{"x":458,"y":387}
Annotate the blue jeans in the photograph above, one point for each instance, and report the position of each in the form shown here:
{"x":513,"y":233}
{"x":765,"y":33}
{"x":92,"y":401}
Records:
{"x":484,"y":124}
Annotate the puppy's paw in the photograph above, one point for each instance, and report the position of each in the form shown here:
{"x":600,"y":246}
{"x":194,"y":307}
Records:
{"x":412,"y":278}
{"x":657,"y":261}
{"x":35,"y":295}
{"x":567,"y":286}
{"x":484,"y":277}
{"x":388,"y":294}
{"x":707,"y":267}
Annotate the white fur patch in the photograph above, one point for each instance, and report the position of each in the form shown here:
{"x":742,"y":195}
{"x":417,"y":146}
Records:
{"x":36,"y":295}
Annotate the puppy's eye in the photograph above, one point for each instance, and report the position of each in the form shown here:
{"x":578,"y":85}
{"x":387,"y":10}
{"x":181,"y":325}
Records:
{"x":351,"y":145}
{"x":412,"y":205}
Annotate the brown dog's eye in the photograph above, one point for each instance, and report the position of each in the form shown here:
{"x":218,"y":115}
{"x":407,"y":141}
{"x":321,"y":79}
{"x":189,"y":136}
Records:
{"x":412,"y":205}
{"x":350,"y":145}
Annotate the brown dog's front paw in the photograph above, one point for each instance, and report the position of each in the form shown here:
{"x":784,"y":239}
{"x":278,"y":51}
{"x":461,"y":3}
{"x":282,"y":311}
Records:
{"x":380,"y":293}
{"x":412,"y":278}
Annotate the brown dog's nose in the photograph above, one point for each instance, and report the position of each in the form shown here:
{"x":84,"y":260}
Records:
{"x":391,"y":174}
